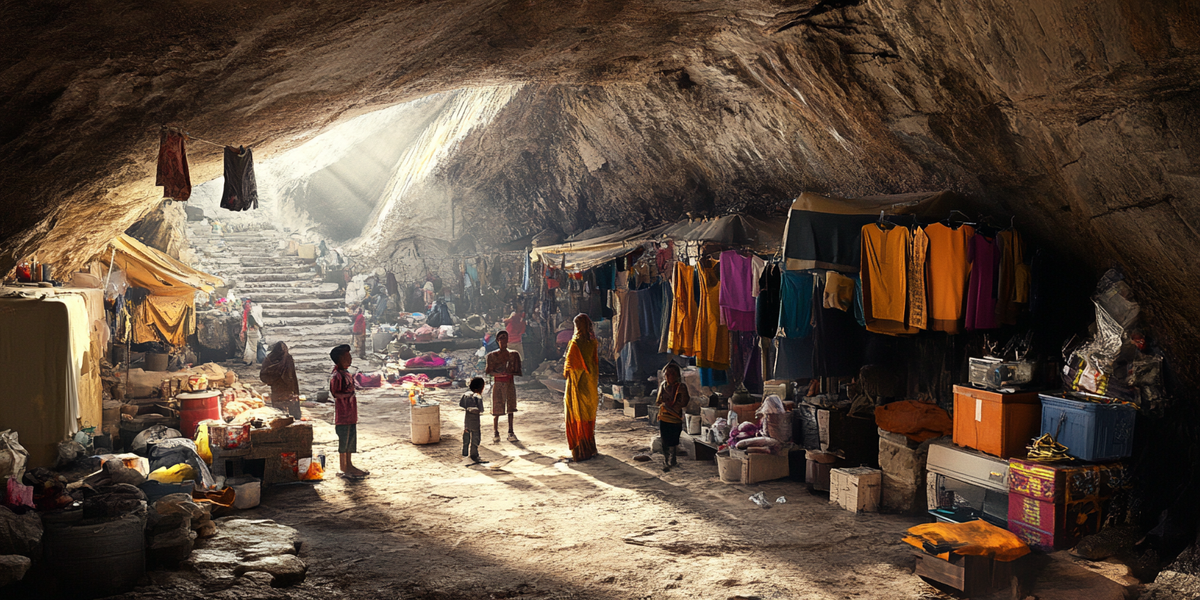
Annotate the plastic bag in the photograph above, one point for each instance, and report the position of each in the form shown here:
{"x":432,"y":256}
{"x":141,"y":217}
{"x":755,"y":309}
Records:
{"x":202,"y":447}
{"x":154,"y":433}
{"x":174,"y":474}
{"x":771,"y":405}
{"x":13,"y":456}
{"x":312,"y":471}
{"x":761,"y":500}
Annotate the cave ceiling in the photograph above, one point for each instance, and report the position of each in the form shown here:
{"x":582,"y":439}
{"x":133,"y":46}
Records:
{"x":1076,"y":118}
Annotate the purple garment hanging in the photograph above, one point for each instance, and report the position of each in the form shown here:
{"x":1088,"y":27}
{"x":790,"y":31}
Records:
{"x":984,"y":255}
{"x":737,"y":289}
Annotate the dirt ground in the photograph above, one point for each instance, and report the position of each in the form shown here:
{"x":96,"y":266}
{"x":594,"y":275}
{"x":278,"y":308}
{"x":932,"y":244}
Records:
{"x":530,"y":524}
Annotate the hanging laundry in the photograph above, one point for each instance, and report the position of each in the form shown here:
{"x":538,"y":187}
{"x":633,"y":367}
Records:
{"x":838,"y":340}
{"x":949,"y":270}
{"x":625,"y":322}
{"x":649,"y":303}
{"x":682,"y":338}
{"x":795,"y":304}
{"x":745,"y":360}
{"x":737,"y":291}
{"x":241,"y":190}
{"x":839,"y":291}
{"x":758,"y":265}
{"x":606,"y":276}
{"x":885,"y":279}
{"x":712,"y":337}
{"x":981,"y":290}
{"x":917,"y":299}
{"x":665,"y":256}
{"x":668,"y":304}
{"x":766,"y":305}
{"x":173,"y":175}
{"x":1012,"y":259}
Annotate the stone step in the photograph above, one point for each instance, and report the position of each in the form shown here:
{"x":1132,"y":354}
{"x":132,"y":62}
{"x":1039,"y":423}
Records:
{"x":310,"y":331}
{"x":272,"y":321}
{"x":299,"y":295}
{"x":282,"y":313}
{"x":276,"y":286}
{"x":269,"y":278}
{"x":336,"y":304}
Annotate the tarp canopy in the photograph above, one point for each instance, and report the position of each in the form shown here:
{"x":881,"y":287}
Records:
{"x":730,"y":230}
{"x":146,"y":267}
{"x":585,"y":254}
{"x":824,"y":232}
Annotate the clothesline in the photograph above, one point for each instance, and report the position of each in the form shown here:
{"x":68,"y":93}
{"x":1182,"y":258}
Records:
{"x":191,"y":137}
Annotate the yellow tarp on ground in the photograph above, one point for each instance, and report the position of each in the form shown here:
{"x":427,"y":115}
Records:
{"x":169,"y":312}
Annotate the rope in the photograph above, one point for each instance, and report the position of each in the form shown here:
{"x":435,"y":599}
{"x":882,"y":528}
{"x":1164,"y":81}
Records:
{"x":193,"y":138}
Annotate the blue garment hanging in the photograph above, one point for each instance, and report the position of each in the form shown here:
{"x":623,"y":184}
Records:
{"x":795,"y":306}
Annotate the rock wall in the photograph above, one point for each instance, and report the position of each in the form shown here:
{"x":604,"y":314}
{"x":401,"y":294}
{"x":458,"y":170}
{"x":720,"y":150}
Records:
{"x":1076,"y":118}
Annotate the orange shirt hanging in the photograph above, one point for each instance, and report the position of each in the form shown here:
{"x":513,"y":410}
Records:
{"x":681,"y":337}
{"x":949,"y":270}
{"x":884,"y":272}
{"x":712,"y":336}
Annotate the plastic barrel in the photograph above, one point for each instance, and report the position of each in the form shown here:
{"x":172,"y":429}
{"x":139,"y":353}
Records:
{"x":196,"y":407}
{"x":426,"y":424}
{"x":94,"y":560}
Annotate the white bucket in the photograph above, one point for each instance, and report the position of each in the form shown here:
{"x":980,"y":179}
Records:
{"x":426,"y":424}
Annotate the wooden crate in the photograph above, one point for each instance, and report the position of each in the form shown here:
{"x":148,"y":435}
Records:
{"x":972,"y":575}
{"x":998,"y":424}
{"x":856,"y":489}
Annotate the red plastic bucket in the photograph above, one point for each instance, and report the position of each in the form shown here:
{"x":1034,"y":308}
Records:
{"x":195,"y":407}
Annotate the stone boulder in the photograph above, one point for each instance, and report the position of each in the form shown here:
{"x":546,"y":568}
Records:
{"x":20,"y":534}
{"x":13,"y":568}
{"x":243,"y":546}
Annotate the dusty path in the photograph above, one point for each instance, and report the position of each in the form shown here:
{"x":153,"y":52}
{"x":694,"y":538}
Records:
{"x":530,"y":525}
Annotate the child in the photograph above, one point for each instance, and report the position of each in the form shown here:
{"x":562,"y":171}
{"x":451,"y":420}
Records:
{"x":472,"y":402}
{"x":672,"y":401}
{"x":345,"y":422}
{"x":503,"y":365}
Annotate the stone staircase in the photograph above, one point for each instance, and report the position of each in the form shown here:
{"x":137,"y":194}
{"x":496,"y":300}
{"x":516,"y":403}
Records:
{"x":298,"y":309}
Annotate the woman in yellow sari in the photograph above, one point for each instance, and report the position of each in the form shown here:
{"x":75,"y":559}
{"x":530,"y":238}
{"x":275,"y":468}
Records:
{"x":582,"y":397}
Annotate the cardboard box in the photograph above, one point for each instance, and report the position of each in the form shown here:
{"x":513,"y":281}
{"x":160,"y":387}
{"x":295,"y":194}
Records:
{"x":995,"y":423}
{"x":729,"y":469}
{"x":903,"y":476}
{"x":634,"y":411}
{"x":745,"y":412}
{"x":857,"y":489}
{"x":764,"y":467}
{"x":611,"y":403}
{"x":775,"y":387}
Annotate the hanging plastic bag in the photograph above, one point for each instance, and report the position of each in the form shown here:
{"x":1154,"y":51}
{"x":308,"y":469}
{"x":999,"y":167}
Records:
{"x":13,"y":456}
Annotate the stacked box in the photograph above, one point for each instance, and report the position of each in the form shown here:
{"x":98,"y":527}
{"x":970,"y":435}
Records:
{"x":1051,"y":507}
{"x":856,"y":489}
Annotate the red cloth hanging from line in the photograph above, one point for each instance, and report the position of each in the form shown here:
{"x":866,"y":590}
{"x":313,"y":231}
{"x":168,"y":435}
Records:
{"x":173,"y":175}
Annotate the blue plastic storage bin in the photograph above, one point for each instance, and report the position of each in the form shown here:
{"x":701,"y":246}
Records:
{"x":1090,"y":431}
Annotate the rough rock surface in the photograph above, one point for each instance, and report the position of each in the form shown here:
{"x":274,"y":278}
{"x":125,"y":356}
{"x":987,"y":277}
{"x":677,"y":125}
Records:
{"x":20,"y":534}
{"x":1076,"y":117}
{"x":13,"y":568}
{"x":249,"y":545}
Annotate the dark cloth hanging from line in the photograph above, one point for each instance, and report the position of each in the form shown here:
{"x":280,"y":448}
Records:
{"x":241,"y":190}
{"x":796,"y":299}
{"x":173,"y":175}
{"x":837,"y":340}
{"x":766,"y":306}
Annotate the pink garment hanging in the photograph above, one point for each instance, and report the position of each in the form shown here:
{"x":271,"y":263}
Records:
{"x":737,"y":291}
{"x":981,"y":291}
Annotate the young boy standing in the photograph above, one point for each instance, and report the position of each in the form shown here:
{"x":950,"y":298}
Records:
{"x":503,"y":365}
{"x":472,"y":402}
{"x":345,"y":410}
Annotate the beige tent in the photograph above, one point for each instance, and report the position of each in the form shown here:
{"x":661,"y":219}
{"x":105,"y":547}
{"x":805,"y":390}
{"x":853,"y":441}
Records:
{"x":169,"y":313}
